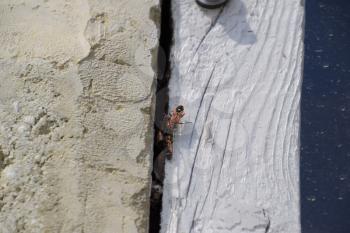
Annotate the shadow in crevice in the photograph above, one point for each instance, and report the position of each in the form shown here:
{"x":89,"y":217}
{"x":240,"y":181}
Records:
{"x":162,"y":99}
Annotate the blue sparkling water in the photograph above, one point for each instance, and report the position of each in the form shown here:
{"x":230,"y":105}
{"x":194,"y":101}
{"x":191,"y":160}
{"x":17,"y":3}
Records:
{"x":325,"y":118}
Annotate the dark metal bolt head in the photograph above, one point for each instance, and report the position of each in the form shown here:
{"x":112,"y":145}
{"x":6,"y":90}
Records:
{"x":211,"y":4}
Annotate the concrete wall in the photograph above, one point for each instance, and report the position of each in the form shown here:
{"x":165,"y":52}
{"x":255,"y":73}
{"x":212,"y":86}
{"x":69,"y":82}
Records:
{"x":76,"y":104}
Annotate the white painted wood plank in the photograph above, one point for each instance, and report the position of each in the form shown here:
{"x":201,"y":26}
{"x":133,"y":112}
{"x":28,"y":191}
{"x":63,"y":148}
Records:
{"x":237,"y":71}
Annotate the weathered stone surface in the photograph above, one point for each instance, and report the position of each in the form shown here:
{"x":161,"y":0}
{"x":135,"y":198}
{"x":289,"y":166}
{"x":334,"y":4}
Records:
{"x":76,"y":103}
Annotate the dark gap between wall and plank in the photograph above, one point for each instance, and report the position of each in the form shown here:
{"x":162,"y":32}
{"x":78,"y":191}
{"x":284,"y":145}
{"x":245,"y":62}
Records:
{"x":162,"y":101}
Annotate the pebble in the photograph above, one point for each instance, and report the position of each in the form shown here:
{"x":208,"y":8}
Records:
{"x":30,"y":120}
{"x":23,"y":130}
{"x":16,"y":107}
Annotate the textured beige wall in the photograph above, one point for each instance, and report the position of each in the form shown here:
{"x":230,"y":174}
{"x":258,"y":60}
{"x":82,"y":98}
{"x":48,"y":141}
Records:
{"x":76,"y":104}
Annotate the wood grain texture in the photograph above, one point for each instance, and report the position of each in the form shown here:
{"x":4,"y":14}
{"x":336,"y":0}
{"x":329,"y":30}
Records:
{"x":238,"y":71}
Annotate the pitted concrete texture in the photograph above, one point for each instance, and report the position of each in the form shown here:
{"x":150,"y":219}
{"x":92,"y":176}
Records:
{"x":76,"y":104}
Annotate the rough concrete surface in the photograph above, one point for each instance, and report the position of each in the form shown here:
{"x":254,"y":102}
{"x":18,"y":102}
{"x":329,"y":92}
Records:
{"x":238,"y":71}
{"x":76,"y":103}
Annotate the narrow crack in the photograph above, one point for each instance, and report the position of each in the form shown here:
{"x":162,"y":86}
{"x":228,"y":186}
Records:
{"x":212,"y":25}
{"x":162,"y":101}
{"x":267,"y":228}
